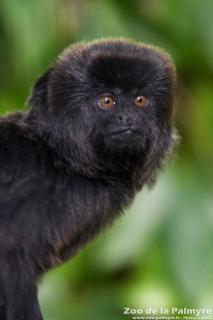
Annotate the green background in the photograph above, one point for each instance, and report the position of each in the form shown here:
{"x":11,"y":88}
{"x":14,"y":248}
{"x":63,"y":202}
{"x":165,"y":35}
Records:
{"x":159,"y":253}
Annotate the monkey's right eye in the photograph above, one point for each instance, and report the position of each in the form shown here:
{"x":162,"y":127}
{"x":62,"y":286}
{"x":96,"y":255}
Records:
{"x":106,"y":102}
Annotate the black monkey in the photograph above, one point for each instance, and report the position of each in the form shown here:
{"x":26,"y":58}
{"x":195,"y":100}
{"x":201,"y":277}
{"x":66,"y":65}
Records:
{"x":99,"y":126}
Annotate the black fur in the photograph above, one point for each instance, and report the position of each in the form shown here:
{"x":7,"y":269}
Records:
{"x":63,"y":174}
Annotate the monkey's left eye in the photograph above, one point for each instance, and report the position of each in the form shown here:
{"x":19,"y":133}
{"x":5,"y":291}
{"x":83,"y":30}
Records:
{"x":141,"y":101}
{"x":106,"y":102}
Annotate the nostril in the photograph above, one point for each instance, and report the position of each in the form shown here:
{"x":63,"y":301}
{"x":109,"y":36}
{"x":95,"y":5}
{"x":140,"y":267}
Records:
{"x":120,"y":119}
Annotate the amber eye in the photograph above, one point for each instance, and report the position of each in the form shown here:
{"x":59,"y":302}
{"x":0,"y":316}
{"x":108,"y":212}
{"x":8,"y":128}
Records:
{"x":106,"y":102}
{"x":141,"y":101}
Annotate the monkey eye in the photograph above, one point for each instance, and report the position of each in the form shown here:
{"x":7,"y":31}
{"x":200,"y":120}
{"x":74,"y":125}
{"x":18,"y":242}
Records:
{"x":141,"y":101}
{"x":106,"y":102}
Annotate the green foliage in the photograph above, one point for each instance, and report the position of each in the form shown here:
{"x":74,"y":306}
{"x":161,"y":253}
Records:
{"x":160,"y":252}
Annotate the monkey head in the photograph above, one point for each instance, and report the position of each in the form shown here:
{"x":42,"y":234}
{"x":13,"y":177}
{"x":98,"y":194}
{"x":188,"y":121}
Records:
{"x":107,"y":101}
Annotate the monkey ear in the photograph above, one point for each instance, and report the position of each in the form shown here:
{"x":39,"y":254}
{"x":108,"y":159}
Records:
{"x":38,"y":97}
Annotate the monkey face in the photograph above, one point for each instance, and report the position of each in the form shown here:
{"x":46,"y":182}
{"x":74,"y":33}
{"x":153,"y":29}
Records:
{"x":120,"y":120}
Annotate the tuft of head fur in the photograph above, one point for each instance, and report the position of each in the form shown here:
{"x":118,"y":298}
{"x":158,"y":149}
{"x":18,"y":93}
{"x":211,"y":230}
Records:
{"x":64,"y":111}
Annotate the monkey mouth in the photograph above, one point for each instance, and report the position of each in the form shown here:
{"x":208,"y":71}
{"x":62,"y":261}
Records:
{"x":125,"y":134}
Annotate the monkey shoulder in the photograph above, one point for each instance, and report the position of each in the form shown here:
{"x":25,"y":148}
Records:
{"x":22,"y":163}
{"x":17,"y":149}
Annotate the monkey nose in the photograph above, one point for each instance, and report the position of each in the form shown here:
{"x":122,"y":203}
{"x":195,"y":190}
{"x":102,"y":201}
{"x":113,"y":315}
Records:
{"x":125,"y":120}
